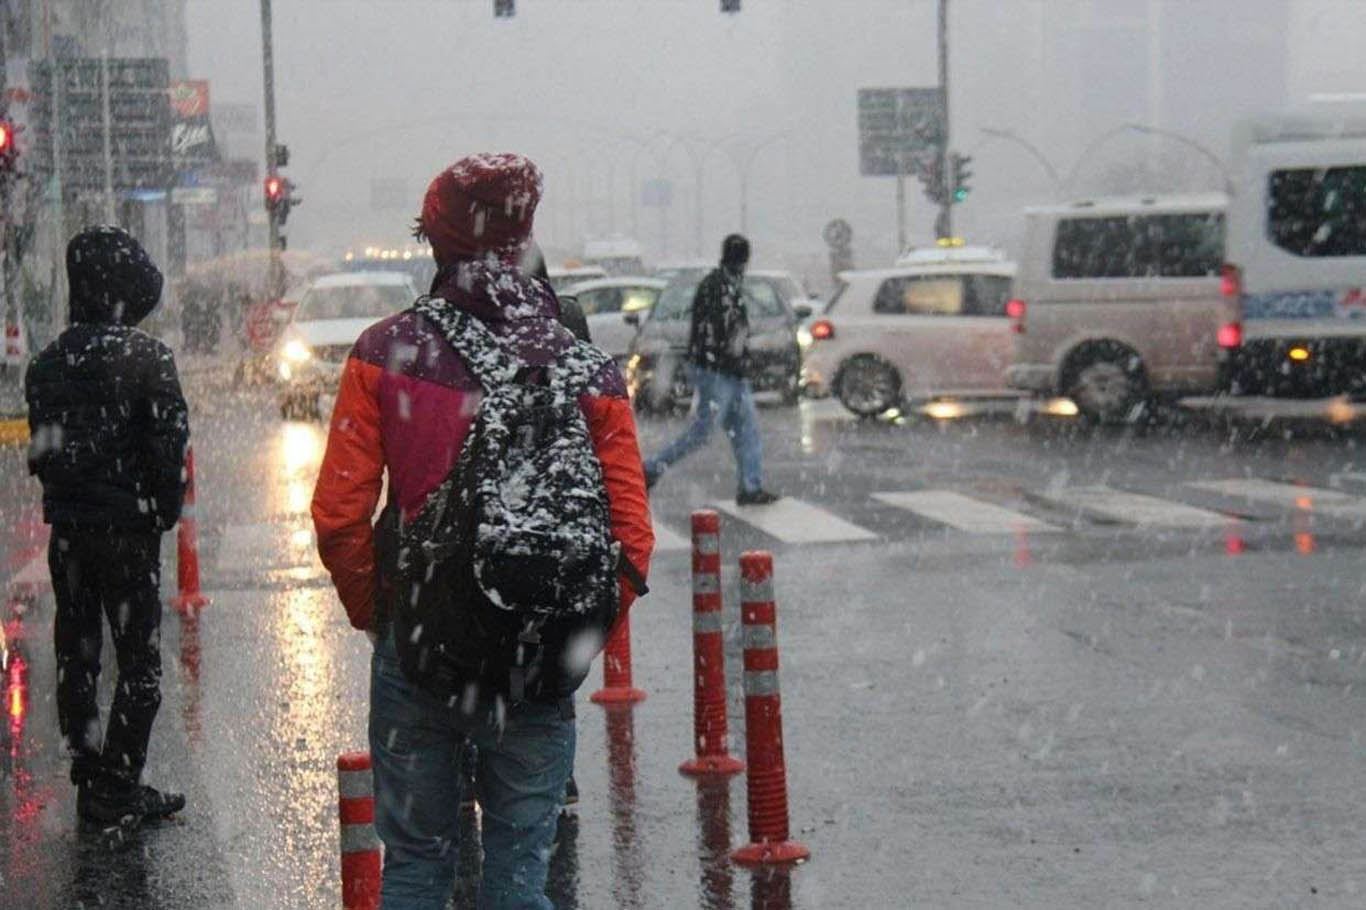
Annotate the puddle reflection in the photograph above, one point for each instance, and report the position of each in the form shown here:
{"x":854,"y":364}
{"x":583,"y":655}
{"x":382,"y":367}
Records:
{"x":717,"y":882}
{"x":770,"y":888}
{"x":189,"y":666}
{"x":627,"y":860}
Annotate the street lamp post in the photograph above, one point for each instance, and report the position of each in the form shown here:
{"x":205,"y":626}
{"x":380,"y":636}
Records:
{"x":1031,"y":148}
{"x":1150,"y":131}
{"x":275,"y":277}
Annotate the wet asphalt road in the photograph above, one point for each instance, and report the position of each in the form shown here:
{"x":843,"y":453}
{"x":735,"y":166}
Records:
{"x":1088,"y":711}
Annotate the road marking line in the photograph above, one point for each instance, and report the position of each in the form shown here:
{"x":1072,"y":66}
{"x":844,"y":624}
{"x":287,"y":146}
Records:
{"x":1285,"y":495}
{"x":1134,"y":508}
{"x":666,"y":540}
{"x":964,"y":513}
{"x":794,"y":521}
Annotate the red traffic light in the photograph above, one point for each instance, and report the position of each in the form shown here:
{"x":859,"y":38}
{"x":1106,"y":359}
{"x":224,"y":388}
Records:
{"x":6,"y":137}
{"x":275,"y":190}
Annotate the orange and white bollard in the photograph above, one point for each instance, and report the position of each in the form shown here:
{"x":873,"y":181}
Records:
{"x":711,"y":738}
{"x":190,"y":600}
{"x":766,"y":783}
{"x":360,"y":847}
{"x":617,"y":688}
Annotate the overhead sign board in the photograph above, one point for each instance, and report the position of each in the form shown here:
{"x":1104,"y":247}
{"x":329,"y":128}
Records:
{"x":69,"y":105}
{"x":901,"y":130}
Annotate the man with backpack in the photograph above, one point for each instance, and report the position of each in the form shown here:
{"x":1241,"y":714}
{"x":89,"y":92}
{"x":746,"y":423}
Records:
{"x":516,"y":533}
{"x":718,"y":356}
{"x":108,"y":434}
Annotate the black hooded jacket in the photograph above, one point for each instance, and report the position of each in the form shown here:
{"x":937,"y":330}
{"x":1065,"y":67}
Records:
{"x":719,"y":333}
{"x":108,"y":424}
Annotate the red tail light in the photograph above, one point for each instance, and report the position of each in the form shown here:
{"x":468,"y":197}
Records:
{"x":1016,"y":309}
{"x":822,"y":330}
{"x":1230,"y":335}
{"x":1230,"y":281}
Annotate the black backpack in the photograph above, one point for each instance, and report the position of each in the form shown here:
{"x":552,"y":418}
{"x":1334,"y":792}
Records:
{"x":506,"y":581}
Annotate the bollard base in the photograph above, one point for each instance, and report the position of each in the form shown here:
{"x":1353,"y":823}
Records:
{"x":190,"y":604}
{"x":711,"y":764}
{"x":767,"y":852}
{"x":617,"y":695}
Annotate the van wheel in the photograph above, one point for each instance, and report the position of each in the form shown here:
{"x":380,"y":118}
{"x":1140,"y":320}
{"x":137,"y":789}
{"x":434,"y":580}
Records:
{"x":1107,"y":383}
{"x":869,"y":385}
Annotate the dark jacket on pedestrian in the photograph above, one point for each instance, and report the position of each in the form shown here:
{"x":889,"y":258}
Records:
{"x":108,"y":424}
{"x":720,"y":324}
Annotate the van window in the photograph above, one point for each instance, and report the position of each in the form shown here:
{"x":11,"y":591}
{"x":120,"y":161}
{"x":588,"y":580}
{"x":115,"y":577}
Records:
{"x":1140,"y":246}
{"x":1318,"y":212}
{"x":944,"y":295}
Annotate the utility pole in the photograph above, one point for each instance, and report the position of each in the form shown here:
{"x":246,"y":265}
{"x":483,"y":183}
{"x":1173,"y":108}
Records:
{"x":275,"y":276}
{"x":944,"y":224}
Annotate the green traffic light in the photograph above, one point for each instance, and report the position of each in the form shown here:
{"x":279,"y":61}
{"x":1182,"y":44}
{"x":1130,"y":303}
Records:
{"x":960,"y":195}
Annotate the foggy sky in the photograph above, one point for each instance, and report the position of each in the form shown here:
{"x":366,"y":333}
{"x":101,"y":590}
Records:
{"x":595,"y":90}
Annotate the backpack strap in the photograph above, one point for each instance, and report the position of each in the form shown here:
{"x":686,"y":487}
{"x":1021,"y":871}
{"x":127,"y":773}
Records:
{"x":575,"y":368}
{"x":492,"y":364}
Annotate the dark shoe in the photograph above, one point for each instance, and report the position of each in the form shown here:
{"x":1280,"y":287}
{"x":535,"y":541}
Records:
{"x":756,"y":498}
{"x":113,"y":805}
{"x":652,"y":477}
{"x":571,"y":796}
{"x":158,"y":805}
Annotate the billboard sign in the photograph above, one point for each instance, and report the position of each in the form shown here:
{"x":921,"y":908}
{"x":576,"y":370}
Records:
{"x":901,"y":130}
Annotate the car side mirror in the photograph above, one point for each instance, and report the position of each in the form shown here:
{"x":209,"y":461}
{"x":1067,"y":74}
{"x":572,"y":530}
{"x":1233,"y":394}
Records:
{"x":802,"y":311}
{"x":631,"y":319}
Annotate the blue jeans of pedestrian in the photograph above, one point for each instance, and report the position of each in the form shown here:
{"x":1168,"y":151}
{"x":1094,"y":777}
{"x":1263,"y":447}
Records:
{"x":415,"y":748}
{"x":731,"y":400}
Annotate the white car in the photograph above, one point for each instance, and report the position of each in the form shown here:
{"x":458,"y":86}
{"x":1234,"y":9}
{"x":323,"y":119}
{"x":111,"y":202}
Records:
{"x":332,"y":314}
{"x":561,"y":278}
{"x":934,"y":326}
{"x":608,"y":304}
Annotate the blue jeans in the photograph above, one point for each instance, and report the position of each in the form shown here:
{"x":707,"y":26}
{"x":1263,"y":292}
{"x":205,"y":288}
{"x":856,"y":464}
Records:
{"x":415,"y":747}
{"x":730,"y":399}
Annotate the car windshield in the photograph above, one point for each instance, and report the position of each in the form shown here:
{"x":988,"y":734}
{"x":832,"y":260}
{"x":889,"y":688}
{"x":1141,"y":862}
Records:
{"x":761,"y":300}
{"x":675,"y":302}
{"x":361,"y":301}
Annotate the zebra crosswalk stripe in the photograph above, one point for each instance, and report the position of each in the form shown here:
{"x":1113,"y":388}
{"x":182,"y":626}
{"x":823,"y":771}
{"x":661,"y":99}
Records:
{"x":793,"y":521}
{"x":1133,"y":508}
{"x":667,"y":540}
{"x":964,"y":513}
{"x":1285,"y":495}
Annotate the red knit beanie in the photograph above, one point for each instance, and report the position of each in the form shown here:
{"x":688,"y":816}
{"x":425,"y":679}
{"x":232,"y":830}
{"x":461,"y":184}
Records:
{"x":481,"y":204}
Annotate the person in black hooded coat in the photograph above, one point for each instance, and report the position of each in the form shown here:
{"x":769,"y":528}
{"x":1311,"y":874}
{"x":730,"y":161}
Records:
{"x":109,"y":430}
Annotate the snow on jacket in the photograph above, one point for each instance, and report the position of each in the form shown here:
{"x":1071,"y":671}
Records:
{"x":719,"y":332}
{"x":407,"y":401}
{"x":108,"y":423}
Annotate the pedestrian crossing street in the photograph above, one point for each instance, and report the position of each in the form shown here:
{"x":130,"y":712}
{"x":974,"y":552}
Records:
{"x":1222,"y":504}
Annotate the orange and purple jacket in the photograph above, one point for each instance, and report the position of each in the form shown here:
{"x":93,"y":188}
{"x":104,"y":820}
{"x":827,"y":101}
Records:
{"x":406,"y":403}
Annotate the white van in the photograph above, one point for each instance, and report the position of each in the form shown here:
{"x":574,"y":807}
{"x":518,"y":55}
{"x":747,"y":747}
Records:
{"x":1122,"y":299}
{"x":1297,"y":238}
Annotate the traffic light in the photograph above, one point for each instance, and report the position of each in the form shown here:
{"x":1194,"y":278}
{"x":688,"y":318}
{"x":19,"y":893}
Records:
{"x":275,"y":192}
{"x":281,"y":154}
{"x":9,"y":153}
{"x":730,"y":6}
{"x":932,"y":180}
{"x":280,"y":198}
{"x":961,"y":175}
{"x":504,"y":9}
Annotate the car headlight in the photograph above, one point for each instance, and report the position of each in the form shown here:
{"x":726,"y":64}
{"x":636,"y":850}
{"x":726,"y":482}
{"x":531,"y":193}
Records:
{"x":296,"y":351}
